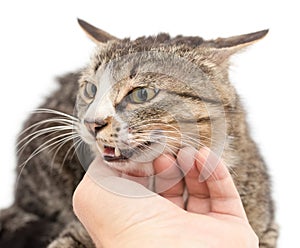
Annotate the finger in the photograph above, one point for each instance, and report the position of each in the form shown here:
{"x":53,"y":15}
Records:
{"x":224,"y":196}
{"x":168,"y":179}
{"x":139,"y":176}
{"x":198,"y":195}
{"x":107,"y":205}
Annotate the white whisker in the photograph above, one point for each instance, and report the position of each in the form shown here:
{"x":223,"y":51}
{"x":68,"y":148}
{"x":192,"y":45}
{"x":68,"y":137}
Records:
{"x":56,"y":112}
{"x":69,"y":150}
{"x":64,"y":122}
{"x":36,"y":134}
{"x":46,"y":146}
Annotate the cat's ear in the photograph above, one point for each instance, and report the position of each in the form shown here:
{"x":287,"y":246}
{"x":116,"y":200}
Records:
{"x":95,"y":34}
{"x":223,"y":48}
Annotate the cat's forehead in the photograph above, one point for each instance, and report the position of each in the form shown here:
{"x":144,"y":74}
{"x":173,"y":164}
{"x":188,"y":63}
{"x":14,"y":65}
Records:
{"x":162,"y":43}
{"x":146,"y":63}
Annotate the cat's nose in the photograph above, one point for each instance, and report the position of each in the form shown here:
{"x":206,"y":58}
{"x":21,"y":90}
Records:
{"x":95,"y":126}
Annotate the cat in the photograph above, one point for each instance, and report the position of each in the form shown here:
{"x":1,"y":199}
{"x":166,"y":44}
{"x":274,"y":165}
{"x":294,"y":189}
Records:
{"x":135,"y":99}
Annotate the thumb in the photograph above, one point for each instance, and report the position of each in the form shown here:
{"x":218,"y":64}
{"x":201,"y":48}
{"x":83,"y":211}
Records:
{"x":108,"y":205}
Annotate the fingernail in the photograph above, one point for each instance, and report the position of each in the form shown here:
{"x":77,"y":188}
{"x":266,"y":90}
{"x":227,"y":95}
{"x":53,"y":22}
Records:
{"x":207,"y":165}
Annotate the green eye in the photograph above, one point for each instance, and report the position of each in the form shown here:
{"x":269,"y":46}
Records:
{"x":141,"y":95}
{"x":90,"y":90}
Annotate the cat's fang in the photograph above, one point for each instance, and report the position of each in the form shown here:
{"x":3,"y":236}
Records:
{"x":117,"y":152}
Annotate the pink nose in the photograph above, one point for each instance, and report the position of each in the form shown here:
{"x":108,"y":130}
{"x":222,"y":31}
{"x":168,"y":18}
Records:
{"x":95,"y":126}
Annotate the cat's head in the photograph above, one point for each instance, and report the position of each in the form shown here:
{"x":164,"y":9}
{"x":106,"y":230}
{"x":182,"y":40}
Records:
{"x":140,"y":98}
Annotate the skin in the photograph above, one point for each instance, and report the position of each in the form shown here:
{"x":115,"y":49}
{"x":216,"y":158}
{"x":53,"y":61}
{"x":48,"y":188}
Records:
{"x":213,"y":216}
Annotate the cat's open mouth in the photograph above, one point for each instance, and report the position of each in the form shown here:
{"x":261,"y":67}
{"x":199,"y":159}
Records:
{"x":114,"y":154}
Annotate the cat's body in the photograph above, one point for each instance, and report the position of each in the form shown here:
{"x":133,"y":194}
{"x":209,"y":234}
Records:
{"x":42,"y":213}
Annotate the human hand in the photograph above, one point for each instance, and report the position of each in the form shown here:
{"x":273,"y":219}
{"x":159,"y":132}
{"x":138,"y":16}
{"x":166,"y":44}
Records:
{"x":214,"y":215}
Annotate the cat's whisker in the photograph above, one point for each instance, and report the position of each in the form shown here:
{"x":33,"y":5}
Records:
{"x":38,"y":151}
{"x":55,"y":112}
{"x":70,"y":149}
{"x":145,"y":123}
{"x":61,"y":124}
{"x":175,"y":131}
{"x":36,"y":134}
{"x":183,"y":133}
{"x":61,"y":121}
{"x":153,"y":124}
{"x":164,"y":144}
{"x":59,"y":146}
{"x":185,"y":140}
{"x":153,"y":149}
{"x":179,"y":133}
{"x":188,"y":139}
{"x":61,"y":138}
{"x":20,"y":151}
{"x":47,"y":145}
{"x":185,"y":137}
{"x":154,"y":132}
{"x":76,"y":146}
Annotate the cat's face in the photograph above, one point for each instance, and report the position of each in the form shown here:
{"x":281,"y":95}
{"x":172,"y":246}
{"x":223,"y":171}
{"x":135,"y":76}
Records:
{"x":132,"y":118}
{"x":139,"y":99}
{"x":142,"y":104}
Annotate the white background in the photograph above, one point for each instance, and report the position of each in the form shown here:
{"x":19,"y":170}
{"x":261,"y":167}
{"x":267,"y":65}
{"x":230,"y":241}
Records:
{"x":41,"y":39}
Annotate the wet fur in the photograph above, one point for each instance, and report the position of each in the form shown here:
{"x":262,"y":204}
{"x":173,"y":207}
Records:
{"x":42,"y":212}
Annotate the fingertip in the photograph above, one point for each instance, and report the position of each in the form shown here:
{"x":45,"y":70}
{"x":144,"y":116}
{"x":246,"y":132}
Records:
{"x":210,"y":165}
{"x":201,"y":157}
{"x":186,"y":158}
{"x":168,"y":177}
{"x":163,"y":162}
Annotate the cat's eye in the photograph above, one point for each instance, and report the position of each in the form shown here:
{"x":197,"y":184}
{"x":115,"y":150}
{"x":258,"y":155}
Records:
{"x":141,"y":95}
{"x":90,"y":90}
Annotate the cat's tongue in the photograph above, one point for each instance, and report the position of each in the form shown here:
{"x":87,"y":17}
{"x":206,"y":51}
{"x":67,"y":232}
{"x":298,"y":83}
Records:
{"x":112,"y":154}
{"x":109,"y":151}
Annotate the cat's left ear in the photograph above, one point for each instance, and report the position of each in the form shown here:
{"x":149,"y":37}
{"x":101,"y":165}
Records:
{"x":95,"y":34}
{"x":223,"y":48}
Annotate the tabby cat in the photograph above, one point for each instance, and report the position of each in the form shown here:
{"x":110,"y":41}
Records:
{"x":135,"y":100}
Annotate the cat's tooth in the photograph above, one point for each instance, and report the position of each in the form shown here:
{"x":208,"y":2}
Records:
{"x":117,"y":152}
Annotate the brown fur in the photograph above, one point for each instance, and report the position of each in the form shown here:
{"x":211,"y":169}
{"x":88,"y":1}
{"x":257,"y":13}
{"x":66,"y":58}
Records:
{"x":42,"y":213}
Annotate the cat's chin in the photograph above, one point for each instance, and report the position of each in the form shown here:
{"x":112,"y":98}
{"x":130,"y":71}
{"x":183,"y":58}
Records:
{"x":131,"y":167}
{"x":138,"y":159}
{"x":137,"y":162}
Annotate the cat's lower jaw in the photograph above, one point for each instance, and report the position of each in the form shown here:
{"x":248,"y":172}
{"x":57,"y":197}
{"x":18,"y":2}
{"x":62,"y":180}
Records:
{"x":131,"y":167}
{"x":138,"y":159}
